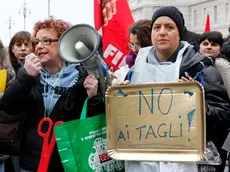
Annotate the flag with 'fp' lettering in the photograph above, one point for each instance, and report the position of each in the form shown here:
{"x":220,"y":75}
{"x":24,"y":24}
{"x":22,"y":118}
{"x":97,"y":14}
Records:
{"x":112,"y":18}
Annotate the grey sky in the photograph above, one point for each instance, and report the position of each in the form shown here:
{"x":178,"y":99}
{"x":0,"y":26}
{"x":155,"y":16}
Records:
{"x":74,"y":11}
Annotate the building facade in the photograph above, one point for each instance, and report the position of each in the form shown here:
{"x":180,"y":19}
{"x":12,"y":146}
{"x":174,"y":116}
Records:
{"x":194,"y":11}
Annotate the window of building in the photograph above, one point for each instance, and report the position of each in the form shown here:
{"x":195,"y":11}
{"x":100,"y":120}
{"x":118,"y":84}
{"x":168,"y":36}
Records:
{"x":226,"y":11}
{"x":215,"y":14}
{"x":194,"y":18}
{"x":204,"y":15}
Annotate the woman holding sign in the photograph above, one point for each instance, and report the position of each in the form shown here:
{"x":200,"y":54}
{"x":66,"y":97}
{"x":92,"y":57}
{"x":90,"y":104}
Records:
{"x":169,"y":60}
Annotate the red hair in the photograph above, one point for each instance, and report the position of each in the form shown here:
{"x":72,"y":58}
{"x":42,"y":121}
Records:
{"x":58,"y":25}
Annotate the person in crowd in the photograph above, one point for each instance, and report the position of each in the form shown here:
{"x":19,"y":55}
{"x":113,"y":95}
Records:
{"x":139,"y":37}
{"x":227,"y":38}
{"x":5,"y":64}
{"x":48,"y":86}
{"x":210,"y":45}
{"x":20,"y":46}
{"x":189,"y":36}
{"x":225,"y":50}
{"x":170,"y":59}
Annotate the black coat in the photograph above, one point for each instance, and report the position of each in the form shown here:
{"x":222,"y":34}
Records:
{"x":217,"y":102}
{"x":216,"y":97}
{"x":25,"y":95}
{"x":192,"y":38}
{"x":226,"y":49}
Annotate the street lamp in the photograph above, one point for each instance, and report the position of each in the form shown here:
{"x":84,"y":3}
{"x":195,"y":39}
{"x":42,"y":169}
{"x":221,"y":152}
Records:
{"x":9,"y":22}
{"x":24,"y":10}
{"x":48,"y":8}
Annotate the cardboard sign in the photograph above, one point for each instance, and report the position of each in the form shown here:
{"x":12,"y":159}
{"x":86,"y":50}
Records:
{"x":156,"y":122}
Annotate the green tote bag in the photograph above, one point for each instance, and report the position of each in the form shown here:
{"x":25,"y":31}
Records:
{"x":82,"y":145}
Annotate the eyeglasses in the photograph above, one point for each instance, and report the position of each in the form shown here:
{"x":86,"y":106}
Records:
{"x":137,"y":46}
{"x":44,"y":41}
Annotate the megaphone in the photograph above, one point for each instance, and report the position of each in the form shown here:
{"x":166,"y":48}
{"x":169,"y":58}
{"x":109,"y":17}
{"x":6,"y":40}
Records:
{"x":79,"y":44}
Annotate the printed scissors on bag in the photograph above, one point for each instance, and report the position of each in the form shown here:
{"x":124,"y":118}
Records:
{"x":48,"y":145}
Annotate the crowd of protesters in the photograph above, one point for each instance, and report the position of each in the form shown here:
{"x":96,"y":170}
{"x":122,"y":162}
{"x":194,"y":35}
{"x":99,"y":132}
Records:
{"x":41,"y":84}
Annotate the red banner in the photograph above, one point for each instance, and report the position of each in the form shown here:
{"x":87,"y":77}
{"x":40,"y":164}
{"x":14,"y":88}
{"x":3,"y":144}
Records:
{"x":112,"y":18}
{"x":207,"y":24}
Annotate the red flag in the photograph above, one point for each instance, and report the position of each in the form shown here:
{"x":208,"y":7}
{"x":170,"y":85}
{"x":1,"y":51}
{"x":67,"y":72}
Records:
{"x":113,"y":17}
{"x":207,"y":24}
{"x":97,"y":14}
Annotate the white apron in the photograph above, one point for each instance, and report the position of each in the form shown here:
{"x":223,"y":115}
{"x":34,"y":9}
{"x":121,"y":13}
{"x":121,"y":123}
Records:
{"x":145,"y":72}
{"x":154,"y":72}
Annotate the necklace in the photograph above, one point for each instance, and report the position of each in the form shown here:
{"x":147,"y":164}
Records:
{"x":47,"y":103}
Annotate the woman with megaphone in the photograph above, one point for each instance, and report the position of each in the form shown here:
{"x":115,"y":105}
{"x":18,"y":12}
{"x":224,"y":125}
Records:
{"x":48,"y":88}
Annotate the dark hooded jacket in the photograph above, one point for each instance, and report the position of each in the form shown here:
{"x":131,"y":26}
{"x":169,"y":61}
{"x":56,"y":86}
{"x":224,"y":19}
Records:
{"x":216,"y":97}
{"x":225,"y":50}
{"x":192,"y":38}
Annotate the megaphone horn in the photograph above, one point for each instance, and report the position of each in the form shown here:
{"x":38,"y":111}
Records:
{"x":74,"y":39}
{"x":79,"y":44}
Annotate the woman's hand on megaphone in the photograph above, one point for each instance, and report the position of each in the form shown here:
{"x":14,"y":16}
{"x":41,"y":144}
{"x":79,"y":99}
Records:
{"x":32,"y":65}
{"x":91,"y":85}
